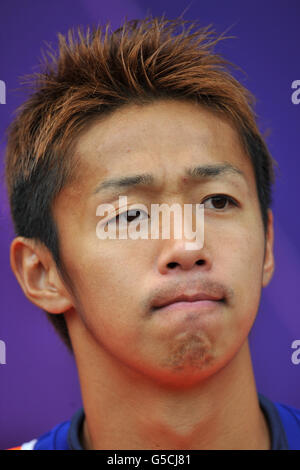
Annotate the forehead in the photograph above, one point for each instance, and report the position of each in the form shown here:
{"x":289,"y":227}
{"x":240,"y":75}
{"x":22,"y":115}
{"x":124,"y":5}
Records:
{"x":161,"y":138}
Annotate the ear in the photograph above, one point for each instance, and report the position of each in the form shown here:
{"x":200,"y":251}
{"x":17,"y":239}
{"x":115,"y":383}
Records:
{"x":37,"y":274}
{"x":269,"y":264}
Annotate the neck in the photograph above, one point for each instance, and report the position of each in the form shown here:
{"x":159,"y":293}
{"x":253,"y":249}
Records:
{"x":124,"y":410}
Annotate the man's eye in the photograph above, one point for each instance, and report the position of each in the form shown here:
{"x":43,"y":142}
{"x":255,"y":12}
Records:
{"x":220,"y":201}
{"x":128,"y":216}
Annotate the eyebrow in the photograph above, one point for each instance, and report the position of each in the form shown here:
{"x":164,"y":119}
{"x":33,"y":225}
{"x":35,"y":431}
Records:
{"x":203,"y":172}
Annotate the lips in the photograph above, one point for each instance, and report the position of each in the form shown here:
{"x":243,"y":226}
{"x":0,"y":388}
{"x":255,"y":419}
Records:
{"x":186,"y":298}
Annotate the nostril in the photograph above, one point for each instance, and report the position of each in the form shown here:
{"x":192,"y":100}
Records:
{"x":200,"y":261}
{"x":172,"y":265}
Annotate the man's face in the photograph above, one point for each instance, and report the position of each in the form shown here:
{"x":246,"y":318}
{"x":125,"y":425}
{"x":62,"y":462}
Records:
{"x":117,"y":281}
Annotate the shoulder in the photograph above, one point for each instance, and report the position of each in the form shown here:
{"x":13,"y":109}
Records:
{"x":289,"y":411}
{"x":55,"y":439}
{"x":25,"y":446}
{"x":290,"y":418}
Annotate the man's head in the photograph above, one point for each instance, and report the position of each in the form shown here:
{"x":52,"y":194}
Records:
{"x":146,"y":99}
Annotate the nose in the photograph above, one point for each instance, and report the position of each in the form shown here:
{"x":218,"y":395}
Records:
{"x":177,"y":251}
{"x":175,"y":256}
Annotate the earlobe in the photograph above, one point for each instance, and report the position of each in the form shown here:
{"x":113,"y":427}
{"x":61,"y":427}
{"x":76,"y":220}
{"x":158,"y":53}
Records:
{"x":37,"y":275}
{"x":269,"y":263}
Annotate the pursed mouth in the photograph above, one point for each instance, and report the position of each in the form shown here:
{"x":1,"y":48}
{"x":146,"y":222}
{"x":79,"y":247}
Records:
{"x":187,"y":302}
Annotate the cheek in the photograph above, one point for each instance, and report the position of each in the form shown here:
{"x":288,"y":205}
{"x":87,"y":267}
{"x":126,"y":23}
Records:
{"x":241,"y":259}
{"x":106,"y":306}
{"x":240,"y":245}
{"x":106,"y":278}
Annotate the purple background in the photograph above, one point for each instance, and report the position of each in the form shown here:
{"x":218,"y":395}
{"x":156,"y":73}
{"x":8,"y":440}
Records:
{"x":39,"y":383}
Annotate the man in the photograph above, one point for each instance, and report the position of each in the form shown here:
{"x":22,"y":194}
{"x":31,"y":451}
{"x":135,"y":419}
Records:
{"x":159,"y":332}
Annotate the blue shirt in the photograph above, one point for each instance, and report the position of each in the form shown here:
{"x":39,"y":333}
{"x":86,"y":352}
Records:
{"x":283,"y":422}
